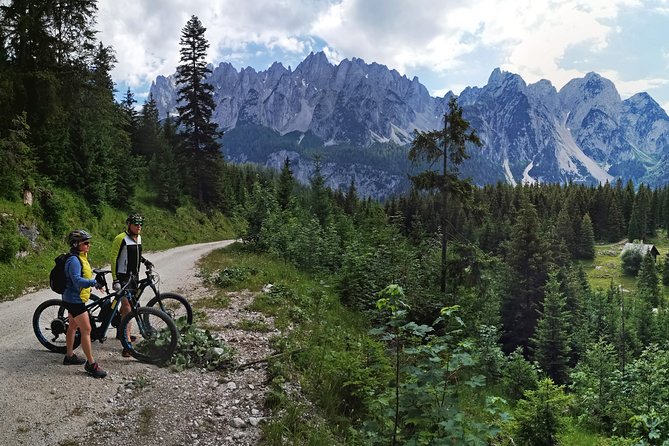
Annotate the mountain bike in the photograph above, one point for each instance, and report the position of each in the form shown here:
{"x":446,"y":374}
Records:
{"x":155,"y":333}
{"x":175,"y":305}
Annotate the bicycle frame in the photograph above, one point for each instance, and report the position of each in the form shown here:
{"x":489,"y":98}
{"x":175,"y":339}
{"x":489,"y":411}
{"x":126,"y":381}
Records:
{"x":114,"y":298}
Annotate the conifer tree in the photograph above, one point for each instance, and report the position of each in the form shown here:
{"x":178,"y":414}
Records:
{"x":551,"y":339}
{"x":201,"y":156}
{"x":565,"y":230}
{"x":586,"y":244}
{"x":636,"y":223}
{"x":351,"y":198}
{"x":286,"y":185}
{"x":647,"y":284}
{"x":447,"y":145}
{"x":615,"y":224}
{"x":16,"y":161}
{"x":527,"y":256}
{"x":665,"y":270}
{"x":319,"y":200}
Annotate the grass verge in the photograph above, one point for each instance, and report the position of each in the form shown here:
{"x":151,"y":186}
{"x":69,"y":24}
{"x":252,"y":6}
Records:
{"x":326,"y":364}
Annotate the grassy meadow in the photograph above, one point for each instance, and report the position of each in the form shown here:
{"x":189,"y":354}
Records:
{"x":606,"y":268}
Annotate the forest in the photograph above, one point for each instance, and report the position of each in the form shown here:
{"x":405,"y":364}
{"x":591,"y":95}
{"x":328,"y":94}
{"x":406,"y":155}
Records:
{"x":480,"y":323}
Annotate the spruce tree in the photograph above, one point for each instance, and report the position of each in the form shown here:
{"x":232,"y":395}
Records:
{"x":201,"y":157}
{"x":665,"y":270}
{"x":564,"y":228}
{"x":286,"y":185}
{"x":551,"y":339}
{"x":527,"y":257}
{"x":636,"y":224}
{"x":351,"y":198}
{"x":447,"y":145}
{"x":319,"y":199}
{"x":647,"y":283}
{"x":586,"y":244}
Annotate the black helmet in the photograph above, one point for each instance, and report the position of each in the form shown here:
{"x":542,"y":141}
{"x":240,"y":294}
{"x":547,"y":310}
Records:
{"x":77,"y":236}
{"x":135,"y":219}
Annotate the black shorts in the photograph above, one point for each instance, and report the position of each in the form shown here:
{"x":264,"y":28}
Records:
{"x":75,"y":309}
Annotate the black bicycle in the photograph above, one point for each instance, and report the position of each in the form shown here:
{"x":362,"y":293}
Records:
{"x":175,"y":305}
{"x":154,"y":333}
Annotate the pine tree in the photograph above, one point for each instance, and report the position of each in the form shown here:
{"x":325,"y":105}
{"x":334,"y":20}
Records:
{"x":665,"y":270}
{"x":647,"y":284}
{"x":636,"y":224}
{"x":615,"y":224}
{"x":17,"y":161}
{"x":449,"y":146}
{"x":286,"y":185}
{"x":319,"y":200}
{"x":565,"y":230}
{"x":201,"y":157}
{"x":351,"y":198}
{"x":526,"y":256}
{"x":586,"y":244}
{"x":551,"y":339}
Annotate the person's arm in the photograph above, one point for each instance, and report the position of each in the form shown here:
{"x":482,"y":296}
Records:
{"x":73,"y":266}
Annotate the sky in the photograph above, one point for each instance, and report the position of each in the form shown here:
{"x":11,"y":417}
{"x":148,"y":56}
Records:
{"x":447,"y":44}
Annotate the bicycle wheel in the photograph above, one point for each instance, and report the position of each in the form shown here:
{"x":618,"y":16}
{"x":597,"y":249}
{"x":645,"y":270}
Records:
{"x":175,"y":305}
{"x":50,"y":325}
{"x":156,"y":334}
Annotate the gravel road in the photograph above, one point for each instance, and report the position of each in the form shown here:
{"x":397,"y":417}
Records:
{"x":43,"y":402}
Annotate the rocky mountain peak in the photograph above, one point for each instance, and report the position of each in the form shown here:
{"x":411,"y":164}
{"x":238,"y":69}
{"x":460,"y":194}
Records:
{"x":584,"y":132}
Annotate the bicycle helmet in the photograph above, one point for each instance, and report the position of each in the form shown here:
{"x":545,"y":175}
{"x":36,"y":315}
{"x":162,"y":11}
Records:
{"x":77,"y":236}
{"x":135,"y":219}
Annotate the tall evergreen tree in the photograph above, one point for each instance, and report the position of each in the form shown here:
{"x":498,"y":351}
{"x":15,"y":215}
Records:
{"x":615,"y":223}
{"x":586,"y":244}
{"x":636,"y":223}
{"x":16,"y":161}
{"x":527,"y":257}
{"x":447,"y":145}
{"x":647,"y":283}
{"x":665,"y":270}
{"x":565,"y":230}
{"x":286,"y":185}
{"x":319,"y":200}
{"x":551,"y":339}
{"x":202,"y":157}
{"x":351,"y":198}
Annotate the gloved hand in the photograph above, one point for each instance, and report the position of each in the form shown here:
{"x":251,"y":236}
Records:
{"x":99,"y":282}
{"x":116,"y":286}
{"x":148,"y":265}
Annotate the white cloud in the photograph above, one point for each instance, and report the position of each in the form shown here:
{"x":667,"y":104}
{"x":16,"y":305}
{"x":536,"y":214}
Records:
{"x":456,"y":39}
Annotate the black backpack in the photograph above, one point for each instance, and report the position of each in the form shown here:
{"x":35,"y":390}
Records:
{"x":57,"y":276}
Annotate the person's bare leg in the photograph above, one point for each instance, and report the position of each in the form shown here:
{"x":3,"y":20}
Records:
{"x":84,"y":324}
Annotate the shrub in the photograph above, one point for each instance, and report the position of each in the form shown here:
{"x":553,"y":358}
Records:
{"x":10,"y":242}
{"x":540,"y":417}
{"x":631,"y":262}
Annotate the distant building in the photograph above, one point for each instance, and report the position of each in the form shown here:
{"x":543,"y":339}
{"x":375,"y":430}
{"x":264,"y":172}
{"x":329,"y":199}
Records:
{"x":641,"y":248}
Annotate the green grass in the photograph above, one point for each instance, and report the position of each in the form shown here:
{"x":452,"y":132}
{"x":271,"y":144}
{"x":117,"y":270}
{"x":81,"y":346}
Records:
{"x":268,"y":269}
{"x":163,"y":229}
{"x":324,"y":347}
{"x":606,"y":268}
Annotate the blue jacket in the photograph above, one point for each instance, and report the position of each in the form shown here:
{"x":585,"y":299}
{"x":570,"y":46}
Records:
{"x":78,"y":285}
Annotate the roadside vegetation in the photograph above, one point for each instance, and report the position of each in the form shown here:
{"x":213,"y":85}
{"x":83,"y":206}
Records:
{"x":452,"y":314}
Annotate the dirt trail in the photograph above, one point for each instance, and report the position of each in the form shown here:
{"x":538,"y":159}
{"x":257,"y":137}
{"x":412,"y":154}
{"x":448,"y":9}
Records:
{"x":38,"y":405}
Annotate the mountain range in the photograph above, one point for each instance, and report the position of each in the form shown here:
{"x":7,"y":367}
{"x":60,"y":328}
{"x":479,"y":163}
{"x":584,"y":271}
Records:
{"x":358,"y":120}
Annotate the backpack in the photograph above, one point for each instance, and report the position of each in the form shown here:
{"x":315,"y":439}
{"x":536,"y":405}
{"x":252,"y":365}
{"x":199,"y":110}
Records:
{"x":57,"y":276}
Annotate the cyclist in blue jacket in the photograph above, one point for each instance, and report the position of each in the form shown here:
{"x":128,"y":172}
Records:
{"x":77,"y":292}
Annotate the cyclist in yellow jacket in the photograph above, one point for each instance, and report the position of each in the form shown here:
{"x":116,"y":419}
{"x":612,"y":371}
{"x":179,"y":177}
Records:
{"x":126,"y":256}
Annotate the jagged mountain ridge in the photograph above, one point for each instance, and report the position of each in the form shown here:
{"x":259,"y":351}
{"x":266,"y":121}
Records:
{"x":582,"y":133}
